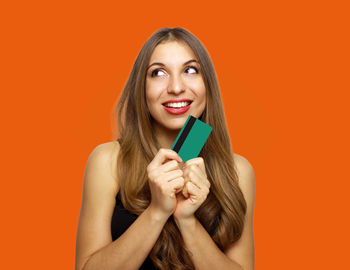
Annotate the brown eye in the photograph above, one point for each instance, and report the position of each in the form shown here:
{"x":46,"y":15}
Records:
{"x":154,"y":72}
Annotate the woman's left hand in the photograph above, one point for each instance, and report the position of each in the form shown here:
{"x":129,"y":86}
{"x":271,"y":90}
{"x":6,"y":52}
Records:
{"x":194,"y":191}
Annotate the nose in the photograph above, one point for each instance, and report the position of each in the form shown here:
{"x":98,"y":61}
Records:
{"x":176,"y":85}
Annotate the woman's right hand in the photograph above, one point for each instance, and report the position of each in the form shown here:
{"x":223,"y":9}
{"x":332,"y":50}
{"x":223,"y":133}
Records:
{"x":165,"y":178}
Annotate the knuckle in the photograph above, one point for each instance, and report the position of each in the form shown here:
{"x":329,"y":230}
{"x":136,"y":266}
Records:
{"x":179,"y":172}
{"x":173,"y":162}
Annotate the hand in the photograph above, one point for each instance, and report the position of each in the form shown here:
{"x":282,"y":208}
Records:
{"x":195,"y":190}
{"x":165,"y":178}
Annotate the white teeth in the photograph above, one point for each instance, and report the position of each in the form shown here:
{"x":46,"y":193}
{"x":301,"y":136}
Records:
{"x":177,"y":104}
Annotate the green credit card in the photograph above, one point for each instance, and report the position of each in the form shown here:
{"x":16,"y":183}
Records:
{"x":191,"y":138}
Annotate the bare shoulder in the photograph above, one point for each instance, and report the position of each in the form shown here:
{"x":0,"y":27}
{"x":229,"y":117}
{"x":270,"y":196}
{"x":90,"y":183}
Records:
{"x":109,"y":149}
{"x":246,"y":178}
{"x":104,"y":159}
{"x":243,"y":166}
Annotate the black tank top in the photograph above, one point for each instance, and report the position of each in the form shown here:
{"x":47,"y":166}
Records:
{"x":121,"y":221}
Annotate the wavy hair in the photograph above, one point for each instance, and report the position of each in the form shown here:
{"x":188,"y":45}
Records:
{"x":222,"y":213}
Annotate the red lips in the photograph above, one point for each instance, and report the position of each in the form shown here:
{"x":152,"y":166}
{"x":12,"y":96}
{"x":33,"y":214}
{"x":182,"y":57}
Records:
{"x":178,"y":100}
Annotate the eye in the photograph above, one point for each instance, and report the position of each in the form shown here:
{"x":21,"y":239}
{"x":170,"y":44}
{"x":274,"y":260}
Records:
{"x":154,"y":72}
{"x":193,"y":68}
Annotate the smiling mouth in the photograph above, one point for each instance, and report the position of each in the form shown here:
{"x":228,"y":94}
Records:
{"x":178,"y":108}
{"x":177,"y":105}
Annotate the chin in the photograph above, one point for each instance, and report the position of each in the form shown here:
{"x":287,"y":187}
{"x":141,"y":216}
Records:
{"x":174,"y":127}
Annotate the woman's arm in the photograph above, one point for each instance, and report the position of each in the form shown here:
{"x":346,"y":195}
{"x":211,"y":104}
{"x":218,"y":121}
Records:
{"x":94,"y":247}
{"x":239,"y":255}
{"x":130,"y":250}
{"x":205,"y":254}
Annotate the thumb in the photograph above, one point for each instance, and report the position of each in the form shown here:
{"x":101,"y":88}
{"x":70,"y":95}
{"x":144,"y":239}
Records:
{"x":185,"y":191}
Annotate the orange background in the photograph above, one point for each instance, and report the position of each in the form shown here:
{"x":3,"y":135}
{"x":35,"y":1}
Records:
{"x":283,"y":69}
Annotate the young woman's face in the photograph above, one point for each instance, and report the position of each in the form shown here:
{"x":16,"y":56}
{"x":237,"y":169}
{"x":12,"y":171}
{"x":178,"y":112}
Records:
{"x":174,"y":74}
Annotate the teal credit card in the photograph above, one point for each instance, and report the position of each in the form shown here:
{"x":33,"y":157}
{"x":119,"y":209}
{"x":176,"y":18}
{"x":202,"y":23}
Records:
{"x":191,"y":138}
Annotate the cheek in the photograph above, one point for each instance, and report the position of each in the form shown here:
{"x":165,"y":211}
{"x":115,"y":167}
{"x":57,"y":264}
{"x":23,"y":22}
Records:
{"x":153,"y":90}
{"x":202,"y":93}
{"x":148,"y":98}
{"x":152,"y":98}
{"x":150,"y":94}
{"x":199,"y":87}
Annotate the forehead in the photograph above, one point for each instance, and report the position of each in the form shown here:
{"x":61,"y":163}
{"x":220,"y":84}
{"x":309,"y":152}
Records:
{"x":166,"y":51}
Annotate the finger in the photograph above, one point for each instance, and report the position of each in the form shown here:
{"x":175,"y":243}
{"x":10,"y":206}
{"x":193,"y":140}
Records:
{"x":203,"y":177}
{"x":193,"y":191}
{"x":192,"y":188}
{"x":185,"y":190}
{"x":169,"y":166}
{"x":178,"y":190}
{"x":195,"y":175}
{"x":166,"y":167}
{"x":169,"y":176}
{"x":197,"y":161}
{"x":176,"y":186}
{"x":162,"y":156}
{"x":187,"y":179}
{"x":181,"y":165}
{"x":196,"y":169}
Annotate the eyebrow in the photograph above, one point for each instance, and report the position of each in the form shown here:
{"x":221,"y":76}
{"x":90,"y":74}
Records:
{"x":161,"y":64}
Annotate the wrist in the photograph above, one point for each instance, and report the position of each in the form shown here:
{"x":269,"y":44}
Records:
{"x":156,"y":215}
{"x":186,"y":223}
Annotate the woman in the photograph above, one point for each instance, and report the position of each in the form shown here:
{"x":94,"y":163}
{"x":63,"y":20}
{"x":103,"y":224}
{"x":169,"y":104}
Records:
{"x":142,"y":207}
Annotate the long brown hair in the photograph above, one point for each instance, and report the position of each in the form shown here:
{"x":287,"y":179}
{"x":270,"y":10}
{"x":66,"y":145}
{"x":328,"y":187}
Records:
{"x":222,"y":213}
